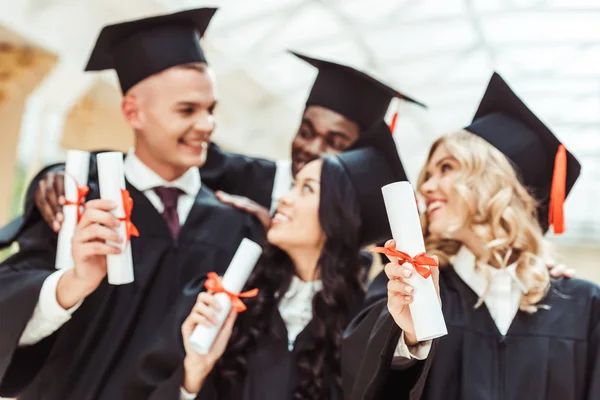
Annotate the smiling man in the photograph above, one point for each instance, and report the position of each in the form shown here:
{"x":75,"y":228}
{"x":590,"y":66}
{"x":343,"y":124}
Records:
{"x":67,"y":333}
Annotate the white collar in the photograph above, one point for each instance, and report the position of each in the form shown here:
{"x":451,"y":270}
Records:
{"x":302,"y":288}
{"x":464,"y":265}
{"x":143,"y":178}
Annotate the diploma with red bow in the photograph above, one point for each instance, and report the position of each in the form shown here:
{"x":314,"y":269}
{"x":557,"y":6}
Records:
{"x":76,"y":179}
{"x":111,"y":178}
{"x":406,"y":229}
{"x":227,"y":292}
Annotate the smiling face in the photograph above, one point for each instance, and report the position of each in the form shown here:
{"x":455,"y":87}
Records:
{"x":444,"y":206}
{"x":322,"y":131}
{"x":296,"y":223}
{"x":475,"y":199}
{"x":172,"y":114}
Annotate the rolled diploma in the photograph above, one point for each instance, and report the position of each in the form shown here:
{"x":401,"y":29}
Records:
{"x":76,"y":175}
{"x":404,"y":221}
{"x":235,"y":278}
{"x":111,"y":178}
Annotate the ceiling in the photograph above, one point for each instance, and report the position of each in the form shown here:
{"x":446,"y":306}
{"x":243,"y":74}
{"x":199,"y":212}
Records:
{"x":441,"y":52}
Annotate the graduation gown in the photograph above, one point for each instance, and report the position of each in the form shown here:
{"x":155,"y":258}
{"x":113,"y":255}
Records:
{"x":240,"y":175}
{"x":231,"y":173}
{"x":13,"y":230}
{"x":551,"y":355}
{"x":272,"y":367}
{"x":88,"y":356}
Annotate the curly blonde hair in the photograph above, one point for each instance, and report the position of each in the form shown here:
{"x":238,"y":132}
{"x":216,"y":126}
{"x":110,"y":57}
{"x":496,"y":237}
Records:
{"x":498,"y":209}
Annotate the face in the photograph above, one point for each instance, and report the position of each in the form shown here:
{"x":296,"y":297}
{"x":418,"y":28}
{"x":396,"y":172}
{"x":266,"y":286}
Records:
{"x":322,"y":131}
{"x":296,"y":222}
{"x":443,"y":205}
{"x":172,"y":114}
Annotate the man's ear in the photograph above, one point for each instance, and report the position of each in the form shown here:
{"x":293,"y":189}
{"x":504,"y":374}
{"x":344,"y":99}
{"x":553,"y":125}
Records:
{"x":131,"y":111}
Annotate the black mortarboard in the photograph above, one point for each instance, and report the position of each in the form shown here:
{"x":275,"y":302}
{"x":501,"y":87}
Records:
{"x":350,"y":92}
{"x":543,"y":163}
{"x":372,"y":163}
{"x":144,"y":47}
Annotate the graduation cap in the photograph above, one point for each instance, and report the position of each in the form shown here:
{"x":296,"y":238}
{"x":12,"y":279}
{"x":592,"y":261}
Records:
{"x":543,"y":163}
{"x":372,"y":163}
{"x":144,"y":47}
{"x":350,"y":92}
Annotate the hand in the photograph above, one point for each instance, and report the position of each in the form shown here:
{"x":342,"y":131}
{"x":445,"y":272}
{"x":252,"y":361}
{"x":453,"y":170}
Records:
{"x":247,"y":205}
{"x":198,"y":366}
{"x":89,"y":249}
{"x":50,"y":198}
{"x":561,"y":270}
{"x":400,"y":294}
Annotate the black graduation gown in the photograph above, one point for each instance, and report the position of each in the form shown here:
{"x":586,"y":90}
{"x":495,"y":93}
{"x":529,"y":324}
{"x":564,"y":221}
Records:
{"x":13,"y":230}
{"x":551,"y":355}
{"x":240,"y":175}
{"x":88,"y":356}
{"x":272,"y":368}
{"x":231,"y":173}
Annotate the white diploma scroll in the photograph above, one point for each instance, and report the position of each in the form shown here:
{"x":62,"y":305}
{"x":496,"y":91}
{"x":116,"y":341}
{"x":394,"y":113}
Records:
{"x":235,"y":278}
{"x":405,"y":224}
{"x":112,"y":180}
{"x":76,"y":177}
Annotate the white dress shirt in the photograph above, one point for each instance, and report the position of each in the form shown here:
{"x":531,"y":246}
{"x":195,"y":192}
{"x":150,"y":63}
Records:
{"x":502,"y":299}
{"x":48,"y":316}
{"x":283,"y":182}
{"x":145,"y":180}
{"x":295,"y":307}
{"x":296,"y":311}
{"x":504,"y":294}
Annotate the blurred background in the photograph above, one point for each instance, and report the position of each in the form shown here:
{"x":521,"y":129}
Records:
{"x":441,"y":52}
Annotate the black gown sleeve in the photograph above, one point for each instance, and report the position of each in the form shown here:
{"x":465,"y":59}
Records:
{"x":368,"y":350}
{"x":10,"y":232}
{"x":240,"y":175}
{"x":159,"y":373}
{"x":21,"y":279}
{"x":594,"y":350}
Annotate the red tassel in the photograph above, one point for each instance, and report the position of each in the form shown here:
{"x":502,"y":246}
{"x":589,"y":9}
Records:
{"x":556,"y":216}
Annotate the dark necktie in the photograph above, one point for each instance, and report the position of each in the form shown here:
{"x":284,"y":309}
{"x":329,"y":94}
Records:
{"x":169,"y":197}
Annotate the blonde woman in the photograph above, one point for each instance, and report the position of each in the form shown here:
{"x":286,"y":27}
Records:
{"x":513,"y":333}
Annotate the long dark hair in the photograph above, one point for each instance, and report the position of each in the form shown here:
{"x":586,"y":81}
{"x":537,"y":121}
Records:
{"x":339,"y":266}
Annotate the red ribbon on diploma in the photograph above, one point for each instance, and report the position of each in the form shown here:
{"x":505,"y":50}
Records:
{"x":130,"y":228}
{"x":82,"y":192}
{"x":418,"y":262}
{"x":214,"y":285}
